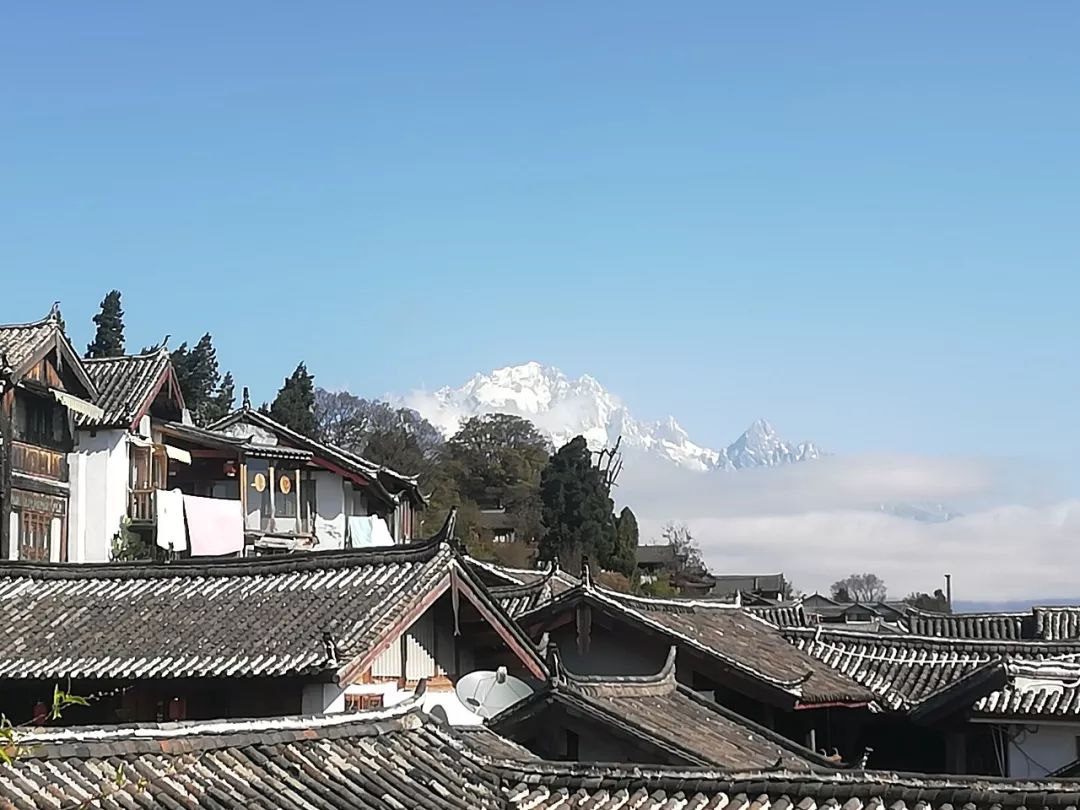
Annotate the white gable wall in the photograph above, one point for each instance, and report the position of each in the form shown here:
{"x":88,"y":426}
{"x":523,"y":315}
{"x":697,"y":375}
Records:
{"x":329,"y":509}
{"x":99,"y":470}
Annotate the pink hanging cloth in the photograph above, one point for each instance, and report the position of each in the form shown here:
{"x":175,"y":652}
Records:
{"x":215,"y":526}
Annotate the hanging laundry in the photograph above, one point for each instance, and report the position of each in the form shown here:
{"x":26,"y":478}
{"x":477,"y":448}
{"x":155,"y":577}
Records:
{"x":215,"y":526}
{"x":380,"y":533}
{"x":367,"y":531}
{"x":169,"y":519}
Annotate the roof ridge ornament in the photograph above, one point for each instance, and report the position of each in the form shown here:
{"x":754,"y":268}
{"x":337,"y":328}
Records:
{"x":446,"y":533}
{"x":246,"y":399}
{"x":586,"y":572}
{"x":554,"y":661}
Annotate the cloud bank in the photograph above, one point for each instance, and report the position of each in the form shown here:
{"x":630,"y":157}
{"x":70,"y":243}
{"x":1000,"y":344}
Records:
{"x":819,"y":521}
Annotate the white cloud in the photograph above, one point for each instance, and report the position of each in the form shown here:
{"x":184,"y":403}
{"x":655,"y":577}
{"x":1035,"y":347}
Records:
{"x":819,"y":521}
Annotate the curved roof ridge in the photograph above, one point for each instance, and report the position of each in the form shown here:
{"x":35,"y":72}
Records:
{"x":524,"y":588}
{"x":226,"y":727}
{"x":824,"y":630}
{"x":659,"y":683}
{"x":147,"y":353}
{"x":53,"y":316}
{"x":708,"y":604}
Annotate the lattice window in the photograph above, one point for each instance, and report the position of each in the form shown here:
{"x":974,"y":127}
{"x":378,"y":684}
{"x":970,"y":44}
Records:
{"x":35,"y":530}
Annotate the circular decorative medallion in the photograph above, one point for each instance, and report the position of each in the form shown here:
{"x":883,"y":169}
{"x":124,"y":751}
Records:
{"x":285,"y":484}
{"x":259,"y":482}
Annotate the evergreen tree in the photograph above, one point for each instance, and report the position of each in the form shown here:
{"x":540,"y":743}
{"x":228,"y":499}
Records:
{"x":294,"y":405}
{"x":222,"y":402}
{"x":624,"y":557}
{"x":576,"y":510}
{"x":197,"y":372}
{"x":109,"y":338}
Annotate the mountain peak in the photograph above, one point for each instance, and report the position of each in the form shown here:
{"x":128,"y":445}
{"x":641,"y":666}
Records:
{"x":561,"y":408}
{"x":760,"y":433}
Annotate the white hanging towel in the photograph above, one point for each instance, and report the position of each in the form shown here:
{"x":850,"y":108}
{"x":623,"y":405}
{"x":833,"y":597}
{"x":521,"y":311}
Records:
{"x":357,"y":531}
{"x":367,"y":531}
{"x":380,"y":534}
{"x":169,"y":518}
{"x":215,"y":526}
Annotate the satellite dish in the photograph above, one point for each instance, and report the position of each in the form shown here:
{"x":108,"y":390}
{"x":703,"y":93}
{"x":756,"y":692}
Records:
{"x":487,"y":693}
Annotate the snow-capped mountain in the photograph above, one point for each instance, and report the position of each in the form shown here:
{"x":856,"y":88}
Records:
{"x":563,"y":408}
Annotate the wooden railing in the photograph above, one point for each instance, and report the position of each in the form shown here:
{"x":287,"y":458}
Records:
{"x":141,"y":505}
{"x":30,"y":459}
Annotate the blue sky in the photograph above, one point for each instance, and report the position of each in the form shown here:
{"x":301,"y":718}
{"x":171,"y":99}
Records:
{"x":859,"y":220}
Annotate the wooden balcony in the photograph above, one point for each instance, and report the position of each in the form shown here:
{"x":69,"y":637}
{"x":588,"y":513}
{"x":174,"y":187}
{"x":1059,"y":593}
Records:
{"x":41,"y":462}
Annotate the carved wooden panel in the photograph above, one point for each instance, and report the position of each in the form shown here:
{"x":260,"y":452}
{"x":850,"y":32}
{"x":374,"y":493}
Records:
{"x":30,"y":459}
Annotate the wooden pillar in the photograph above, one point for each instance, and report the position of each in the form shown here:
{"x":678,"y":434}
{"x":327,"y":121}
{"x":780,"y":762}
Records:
{"x":583,"y":617}
{"x":272,"y":483}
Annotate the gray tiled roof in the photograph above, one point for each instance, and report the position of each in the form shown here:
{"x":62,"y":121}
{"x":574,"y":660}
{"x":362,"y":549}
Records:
{"x":285,"y":615}
{"x":1041,"y":623}
{"x":400,"y":759}
{"x":782,"y":615}
{"x":735,"y":635}
{"x":19,"y":342}
{"x":547,"y":786}
{"x":393,"y":759}
{"x":655,"y":554}
{"x":906,"y":671}
{"x":519,"y":599}
{"x":1001,"y":626}
{"x":728,"y":584}
{"x":125,"y":384}
{"x":658,"y":713}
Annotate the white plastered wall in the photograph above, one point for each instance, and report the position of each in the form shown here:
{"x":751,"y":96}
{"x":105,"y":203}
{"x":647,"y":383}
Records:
{"x":99,"y":491}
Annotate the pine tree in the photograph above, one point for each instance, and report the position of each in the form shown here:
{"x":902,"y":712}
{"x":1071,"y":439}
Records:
{"x":222,"y":402}
{"x":575,"y":509}
{"x":197,"y":372}
{"x":294,"y":405}
{"x":624,"y":557}
{"x":109,"y":338}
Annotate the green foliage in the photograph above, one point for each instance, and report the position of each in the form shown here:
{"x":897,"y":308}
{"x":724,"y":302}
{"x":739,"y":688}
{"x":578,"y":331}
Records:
{"x":128,"y":545}
{"x":294,"y":405}
{"x":624,"y":556}
{"x":492,"y":462}
{"x":222,"y":402}
{"x":208,"y":397}
{"x":938,"y":603}
{"x":109,"y":337}
{"x":62,"y":699}
{"x":398,"y":438}
{"x":12,"y":736}
{"x":860,"y":588}
{"x":661,"y":586}
{"x":576,"y":510}
{"x":497,"y":459}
